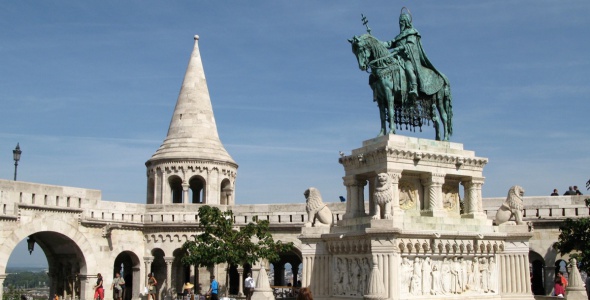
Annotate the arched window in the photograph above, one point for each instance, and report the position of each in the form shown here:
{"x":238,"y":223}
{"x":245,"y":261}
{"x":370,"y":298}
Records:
{"x":197,"y":189}
{"x":150,"y":190}
{"x":175,"y":188}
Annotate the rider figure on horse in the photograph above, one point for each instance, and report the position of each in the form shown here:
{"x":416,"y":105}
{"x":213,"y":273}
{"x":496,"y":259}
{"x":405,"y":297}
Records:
{"x":408,"y":48}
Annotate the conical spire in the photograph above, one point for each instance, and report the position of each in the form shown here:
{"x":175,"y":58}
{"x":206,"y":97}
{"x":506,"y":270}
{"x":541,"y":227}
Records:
{"x":193,"y":133}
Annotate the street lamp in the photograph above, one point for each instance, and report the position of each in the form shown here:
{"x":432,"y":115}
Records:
{"x":30,"y":244}
{"x":16,"y":155}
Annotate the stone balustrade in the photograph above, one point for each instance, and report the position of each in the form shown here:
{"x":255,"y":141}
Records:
{"x":91,"y":207}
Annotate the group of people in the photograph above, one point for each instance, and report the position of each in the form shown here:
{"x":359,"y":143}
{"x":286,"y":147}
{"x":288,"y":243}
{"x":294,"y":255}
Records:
{"x":560,"y":285}
{"x":572,"y":191}
{"x":118,"y":286}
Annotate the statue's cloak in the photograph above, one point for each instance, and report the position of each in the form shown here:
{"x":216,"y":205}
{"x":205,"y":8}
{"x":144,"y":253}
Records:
{"x":430,"y":80}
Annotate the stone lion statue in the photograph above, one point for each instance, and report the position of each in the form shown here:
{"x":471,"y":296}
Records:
{"x":513,"y":206}
{"x":318,"y":214}
{"x":382,"y":197}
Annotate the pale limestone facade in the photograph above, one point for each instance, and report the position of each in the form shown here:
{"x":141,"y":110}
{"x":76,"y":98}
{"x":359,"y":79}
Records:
{"x":83,"y":235}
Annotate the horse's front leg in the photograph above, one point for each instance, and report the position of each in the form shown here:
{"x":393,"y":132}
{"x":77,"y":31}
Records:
{"x":381,"y":102}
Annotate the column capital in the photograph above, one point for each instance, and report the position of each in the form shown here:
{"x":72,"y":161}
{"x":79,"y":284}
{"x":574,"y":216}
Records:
{"x":169,"y":260}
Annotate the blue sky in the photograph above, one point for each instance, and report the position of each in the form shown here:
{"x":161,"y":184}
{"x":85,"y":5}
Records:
{"x":88,"y":88}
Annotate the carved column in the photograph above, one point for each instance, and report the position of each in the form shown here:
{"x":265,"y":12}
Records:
{"x":185,"y":187}
{"x":147,"y":260}
{"x":241,"y":281}
{"x":355,"y":202}
{"x":169,"y":261}
{"x":433,"y":205}
{"x":473,"y":202}
{"x":395,"y":176}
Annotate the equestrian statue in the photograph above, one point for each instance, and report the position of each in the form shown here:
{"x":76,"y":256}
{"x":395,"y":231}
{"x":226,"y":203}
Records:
{"x":408,"y":89}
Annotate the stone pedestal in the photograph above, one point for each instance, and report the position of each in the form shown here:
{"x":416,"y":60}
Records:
{"x":424,"y":246}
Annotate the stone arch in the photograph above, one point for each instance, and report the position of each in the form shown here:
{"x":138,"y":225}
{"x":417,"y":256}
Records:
{"x":180,"y":273}
{"x":537,"y":266}
{"x":227,"y":191}
{"x":151,"y":185}
{"x":127,"y":264}
{"x":175,"y":185}
{"x":158,"y":267}
{"x":197,"y":189}
{"x":288,"y":260}
{"x":66,"y":251}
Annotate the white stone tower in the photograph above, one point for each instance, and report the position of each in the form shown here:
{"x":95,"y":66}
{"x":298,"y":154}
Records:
{"x":191,"y":165}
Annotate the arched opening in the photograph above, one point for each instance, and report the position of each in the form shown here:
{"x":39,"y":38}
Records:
{"x":284,"y":272}
{"x":537,"y":266}
{"x":226,"y":192}
{"x":158,"y":267}
{"x":127,"y":265}
{"x":181,"y":274}
{"x":175,"y":183}
{"x":64,"y":263}
{"x":197,"y":189}
{"x":150,"y":190}
{"x":234,"y":280}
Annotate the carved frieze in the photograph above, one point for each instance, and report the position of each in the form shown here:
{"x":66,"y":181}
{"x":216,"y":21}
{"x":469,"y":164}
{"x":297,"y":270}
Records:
{"x":448,"y":275}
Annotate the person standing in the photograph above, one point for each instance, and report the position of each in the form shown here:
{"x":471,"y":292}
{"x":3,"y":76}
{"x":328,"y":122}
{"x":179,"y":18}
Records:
{"x":118,"y":284}
{"x":98,"y":289}
{"x":213,"y":289}
{"x":559,"y":287}
{"x":249,"y":284}
{"x":570,"y":192}
{"x":577,"y":190}
{"x":152,"y":284}
{"x":555,"y":193}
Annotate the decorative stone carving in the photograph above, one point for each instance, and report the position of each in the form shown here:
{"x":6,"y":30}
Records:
{"x":351,"y":275}
{"x":450,"y":197}
{"x":382,"y":197}
{"x":512,"y":207}
{"x":447,"y":275}
{"x":408,"y":195}
{"x":318,"y":214}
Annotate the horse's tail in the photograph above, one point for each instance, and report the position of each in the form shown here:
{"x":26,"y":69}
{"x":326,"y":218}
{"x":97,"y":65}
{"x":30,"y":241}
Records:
{"x":448,"y":103}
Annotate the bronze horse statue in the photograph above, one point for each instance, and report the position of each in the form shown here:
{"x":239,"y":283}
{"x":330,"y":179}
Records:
{"x":391,"y":91}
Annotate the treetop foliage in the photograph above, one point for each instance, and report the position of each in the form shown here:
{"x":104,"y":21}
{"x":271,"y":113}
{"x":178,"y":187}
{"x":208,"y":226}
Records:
{"x":224,"y":242}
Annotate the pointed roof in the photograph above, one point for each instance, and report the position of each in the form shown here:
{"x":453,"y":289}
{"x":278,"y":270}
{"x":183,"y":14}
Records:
{"x":193,"y":133}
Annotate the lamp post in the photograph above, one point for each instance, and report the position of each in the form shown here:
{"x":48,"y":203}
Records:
{"x":16,"y":155}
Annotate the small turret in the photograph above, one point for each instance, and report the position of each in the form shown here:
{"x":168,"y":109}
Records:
{"x":191,"y":165}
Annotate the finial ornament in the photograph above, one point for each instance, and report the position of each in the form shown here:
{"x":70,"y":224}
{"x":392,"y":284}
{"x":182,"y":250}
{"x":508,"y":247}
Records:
{"x":407,"y":12}
{"x":366,"y":23}
{"x":196,"y":37}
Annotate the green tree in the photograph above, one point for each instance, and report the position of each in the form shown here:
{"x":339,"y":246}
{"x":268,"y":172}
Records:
{"x":12,"y":293}
{"x":224,"y":242}
{"x":574,"y":237}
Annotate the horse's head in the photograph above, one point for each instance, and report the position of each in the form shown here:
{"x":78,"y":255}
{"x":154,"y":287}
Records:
{"x":361,"y":50}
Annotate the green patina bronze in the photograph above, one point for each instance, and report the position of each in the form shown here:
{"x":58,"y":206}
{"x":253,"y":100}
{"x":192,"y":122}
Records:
{"x":408,"y":89}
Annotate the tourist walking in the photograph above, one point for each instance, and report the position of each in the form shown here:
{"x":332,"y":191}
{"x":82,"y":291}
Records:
{"x":152,"y":287}
{"x":249,"y":284}
{"x":213,"y":289}
{"x":98,"y":289}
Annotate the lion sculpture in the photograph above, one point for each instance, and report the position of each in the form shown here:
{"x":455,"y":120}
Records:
{"x":382,"y":197}
{"x":513,"y":206}
{"x":318,"y":214}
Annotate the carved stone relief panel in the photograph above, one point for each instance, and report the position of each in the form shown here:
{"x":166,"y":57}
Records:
{"x":426,"y":275}
{"x":410,"y":192}
{"x":408,"y":195}
{"x":350,"y":275}
{"x":451,"y":196}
